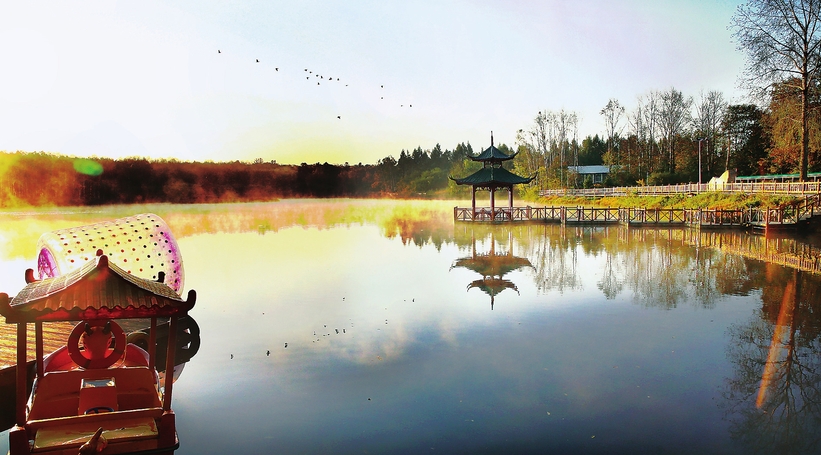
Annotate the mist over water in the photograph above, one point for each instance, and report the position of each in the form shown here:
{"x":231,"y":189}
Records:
{"x":349,"y":326}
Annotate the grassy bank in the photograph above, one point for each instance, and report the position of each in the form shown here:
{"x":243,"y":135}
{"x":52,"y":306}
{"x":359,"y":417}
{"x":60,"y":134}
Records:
{"x":710,"y":200}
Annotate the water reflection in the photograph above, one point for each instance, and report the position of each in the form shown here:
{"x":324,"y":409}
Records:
{"x":492,"y":267}
{"x":773,"y":400}
{"x":653,"y":339}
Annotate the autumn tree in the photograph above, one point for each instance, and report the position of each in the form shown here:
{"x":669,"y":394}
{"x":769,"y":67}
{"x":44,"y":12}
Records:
{"x":747,"y":141}
{"x":785,"y":131}
{"x":782,"y":40}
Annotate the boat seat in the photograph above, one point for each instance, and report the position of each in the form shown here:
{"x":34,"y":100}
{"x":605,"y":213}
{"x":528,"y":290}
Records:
{"x":115,"y":430}
{"x":58,"y":393}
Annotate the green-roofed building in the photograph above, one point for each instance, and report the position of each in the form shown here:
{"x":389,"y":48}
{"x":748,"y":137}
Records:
{"x":491,"y":177}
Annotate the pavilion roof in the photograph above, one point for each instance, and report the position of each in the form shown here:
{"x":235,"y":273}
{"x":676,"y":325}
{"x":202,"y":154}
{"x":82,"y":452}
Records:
{"x":493,"y":154}
{"x":492,"y":265}
{"x":492,"y":286}
{"x":498,"y":176}
{"x":97,"y":290}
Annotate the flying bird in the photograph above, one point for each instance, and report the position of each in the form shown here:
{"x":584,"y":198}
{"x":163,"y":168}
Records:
{"x":339,"y":116}
{"x":257,"y":60}
{"x":276,"y":69}
{"x":219,"y":51}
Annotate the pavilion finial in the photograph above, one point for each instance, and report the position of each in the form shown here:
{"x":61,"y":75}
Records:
{"x":491,"y":138}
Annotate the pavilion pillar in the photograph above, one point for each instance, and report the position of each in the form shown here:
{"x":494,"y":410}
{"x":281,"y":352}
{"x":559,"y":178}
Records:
{"x":492,"y":203}
{"x":510,"y":198}
{"x":22,"y":376}
{"x":473,"y":204}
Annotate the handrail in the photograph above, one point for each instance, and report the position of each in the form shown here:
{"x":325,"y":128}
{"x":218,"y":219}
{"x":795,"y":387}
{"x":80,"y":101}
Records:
{"x":799,"y":188}
{"x":787,"y":215}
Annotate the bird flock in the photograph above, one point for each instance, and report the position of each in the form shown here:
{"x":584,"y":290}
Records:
{"x":329,"y":333}
{"x":320,"y":79}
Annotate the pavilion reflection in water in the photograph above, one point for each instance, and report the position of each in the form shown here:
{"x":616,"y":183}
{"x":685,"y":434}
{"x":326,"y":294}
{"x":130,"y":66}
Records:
{"x":492,"y":266}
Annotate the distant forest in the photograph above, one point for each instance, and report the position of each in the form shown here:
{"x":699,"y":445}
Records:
{"x":44,"y":179}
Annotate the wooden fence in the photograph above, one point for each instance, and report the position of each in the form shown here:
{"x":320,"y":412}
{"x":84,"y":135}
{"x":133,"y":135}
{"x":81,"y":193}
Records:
{"x":787,"y":216}
{"x":795,"y":189}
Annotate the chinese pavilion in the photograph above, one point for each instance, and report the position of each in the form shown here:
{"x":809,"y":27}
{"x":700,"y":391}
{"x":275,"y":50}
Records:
{"x":491,"y":177}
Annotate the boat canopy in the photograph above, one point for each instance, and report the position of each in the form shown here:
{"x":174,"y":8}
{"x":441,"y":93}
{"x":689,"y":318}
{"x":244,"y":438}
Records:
{"x":97,"y":290}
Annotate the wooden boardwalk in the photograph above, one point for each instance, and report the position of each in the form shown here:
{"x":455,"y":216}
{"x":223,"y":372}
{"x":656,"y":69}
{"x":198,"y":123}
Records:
{"x":785,"y":217}
{"x":54,"y":336}
{"x":788,"y":188}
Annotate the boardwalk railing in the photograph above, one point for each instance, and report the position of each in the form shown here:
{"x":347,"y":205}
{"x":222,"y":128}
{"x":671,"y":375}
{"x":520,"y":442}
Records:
{"x":790,"y":215}
{"x":653,"y":216}
{"x":799,"y":189}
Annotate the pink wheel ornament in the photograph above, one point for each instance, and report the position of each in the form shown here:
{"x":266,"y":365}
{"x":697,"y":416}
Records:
{"x":142,"y":245}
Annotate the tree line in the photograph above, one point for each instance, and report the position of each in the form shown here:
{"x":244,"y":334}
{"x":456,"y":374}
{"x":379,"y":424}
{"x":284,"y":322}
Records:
{"x":668,"y":137}
{"x":45,"y":179}
{"x":662,"y":139}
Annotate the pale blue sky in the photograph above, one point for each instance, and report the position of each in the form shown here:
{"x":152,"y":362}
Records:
{"x":145,"y":79}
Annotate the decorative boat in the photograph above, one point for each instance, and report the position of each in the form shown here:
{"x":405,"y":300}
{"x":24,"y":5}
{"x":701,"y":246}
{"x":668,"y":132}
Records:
{"x":100,"y":394}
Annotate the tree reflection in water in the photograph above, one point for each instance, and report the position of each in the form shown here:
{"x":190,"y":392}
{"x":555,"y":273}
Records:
{"x":773,"y":401}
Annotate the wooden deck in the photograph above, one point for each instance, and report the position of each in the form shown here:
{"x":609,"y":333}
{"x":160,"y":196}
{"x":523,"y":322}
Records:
{"x":785,"y":217}
{"x":54,"y":336}
{"x":606,"y":215}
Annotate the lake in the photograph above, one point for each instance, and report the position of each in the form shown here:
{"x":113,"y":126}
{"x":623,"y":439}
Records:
{"x":362,"y":326}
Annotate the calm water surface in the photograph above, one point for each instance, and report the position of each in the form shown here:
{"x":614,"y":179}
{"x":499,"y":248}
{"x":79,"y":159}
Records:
{"x":382,"y":327}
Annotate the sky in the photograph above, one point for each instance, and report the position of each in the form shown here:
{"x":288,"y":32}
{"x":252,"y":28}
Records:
{"x":223,"y":81}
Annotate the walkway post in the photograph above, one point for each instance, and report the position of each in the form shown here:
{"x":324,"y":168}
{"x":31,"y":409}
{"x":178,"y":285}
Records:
{"x":699,"y":162}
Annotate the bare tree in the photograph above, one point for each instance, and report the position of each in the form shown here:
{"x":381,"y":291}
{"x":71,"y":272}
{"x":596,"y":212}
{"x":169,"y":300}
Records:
{"x":707,"y":123}
{"x":549,"y":138}
{"x":566,"y":126}
{"x":612,"y":113}
{"x":640,"y":124}
{"x":782,"y":40}
{"x":673,"y":119}
{"x":651,"y":115}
